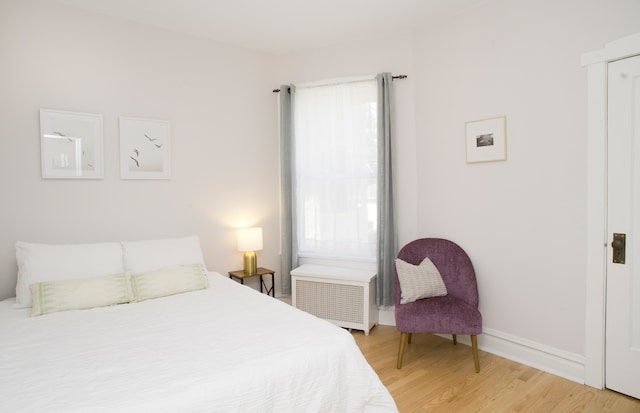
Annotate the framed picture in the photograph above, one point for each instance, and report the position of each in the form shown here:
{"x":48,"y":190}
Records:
{"x":145,"y":148}
{"x":71,"y":145}
{"x":486,"y":140}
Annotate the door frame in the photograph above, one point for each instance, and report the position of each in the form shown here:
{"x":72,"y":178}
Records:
{"x":597,"y":237}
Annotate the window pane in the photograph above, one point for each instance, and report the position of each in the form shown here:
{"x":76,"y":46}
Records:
{"x":336,"y":169}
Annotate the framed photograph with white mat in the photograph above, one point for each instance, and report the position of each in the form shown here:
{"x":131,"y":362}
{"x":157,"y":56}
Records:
{"x":145,"y":148}
{"x":71,"y":145}
{"x":486,"y":140}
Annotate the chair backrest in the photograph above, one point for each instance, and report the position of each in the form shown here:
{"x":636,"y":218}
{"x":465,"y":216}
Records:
{"x":452,"y":262}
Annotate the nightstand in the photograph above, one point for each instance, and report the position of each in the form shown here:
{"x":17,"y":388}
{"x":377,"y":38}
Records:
{"x":240,"y":275}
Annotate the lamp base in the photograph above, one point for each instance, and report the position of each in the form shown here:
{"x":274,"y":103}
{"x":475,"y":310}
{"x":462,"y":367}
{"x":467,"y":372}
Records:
{"x":250,"y":263}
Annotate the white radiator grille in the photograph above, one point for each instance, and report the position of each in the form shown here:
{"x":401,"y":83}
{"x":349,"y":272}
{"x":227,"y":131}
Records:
{"x":331,"y":301}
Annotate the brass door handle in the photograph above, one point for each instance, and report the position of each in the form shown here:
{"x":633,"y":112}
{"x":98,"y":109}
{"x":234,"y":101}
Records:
{"x":619,"y":245}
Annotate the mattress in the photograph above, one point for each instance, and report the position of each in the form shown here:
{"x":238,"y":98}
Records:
{"x":227,"y":348}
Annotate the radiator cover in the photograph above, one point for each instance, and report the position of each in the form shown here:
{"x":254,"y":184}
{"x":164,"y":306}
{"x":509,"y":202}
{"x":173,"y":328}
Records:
{"x":345,"y":297}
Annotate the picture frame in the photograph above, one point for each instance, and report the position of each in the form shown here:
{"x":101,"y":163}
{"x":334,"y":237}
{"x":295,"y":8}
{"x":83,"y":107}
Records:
{"x":145,"y":148}
{"x":486,"y":140}
{"x":71,"y":145}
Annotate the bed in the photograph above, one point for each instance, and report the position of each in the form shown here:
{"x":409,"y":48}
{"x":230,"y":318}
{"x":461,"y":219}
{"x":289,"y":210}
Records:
{"x":223,"y":348}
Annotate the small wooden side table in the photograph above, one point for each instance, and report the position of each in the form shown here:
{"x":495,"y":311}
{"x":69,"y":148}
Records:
{"x":240,"y":275}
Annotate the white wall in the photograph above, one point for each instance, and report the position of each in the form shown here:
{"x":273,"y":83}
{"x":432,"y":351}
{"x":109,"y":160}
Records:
{"x":223,"y":124}
{"x":523,"y":221}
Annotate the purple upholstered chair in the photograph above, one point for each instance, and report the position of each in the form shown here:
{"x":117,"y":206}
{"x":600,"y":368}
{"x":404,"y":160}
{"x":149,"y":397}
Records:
{"x":455,"y":313}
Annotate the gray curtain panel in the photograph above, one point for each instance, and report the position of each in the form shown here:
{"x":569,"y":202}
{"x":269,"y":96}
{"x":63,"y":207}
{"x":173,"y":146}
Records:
{"x":386,"y":213}
{"x":289,"y":256}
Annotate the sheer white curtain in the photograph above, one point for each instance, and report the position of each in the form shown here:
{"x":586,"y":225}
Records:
{"x":335,"y":129}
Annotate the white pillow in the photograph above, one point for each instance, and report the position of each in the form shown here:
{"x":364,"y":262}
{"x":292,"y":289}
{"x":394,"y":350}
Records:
{"x":52,"y":296}
{"x":44,"y":262}
{"x":419,"y":281}
{"x":162,"y":283}
{"x":145,"y":256}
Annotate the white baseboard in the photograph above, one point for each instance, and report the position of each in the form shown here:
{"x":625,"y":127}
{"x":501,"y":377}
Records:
{"x":386,"y":316}
{"x":540,"y":356}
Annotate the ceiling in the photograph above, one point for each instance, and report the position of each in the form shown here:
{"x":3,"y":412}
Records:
{"x":279,"y":26}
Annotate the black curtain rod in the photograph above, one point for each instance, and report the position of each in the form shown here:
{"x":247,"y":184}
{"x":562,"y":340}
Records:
{"x":392,"y":77}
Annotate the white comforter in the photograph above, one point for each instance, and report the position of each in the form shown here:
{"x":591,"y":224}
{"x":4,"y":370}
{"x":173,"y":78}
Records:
{"x":224,"y":349}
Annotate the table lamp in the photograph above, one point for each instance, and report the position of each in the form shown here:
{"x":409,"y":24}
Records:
{"x":249,"y":241}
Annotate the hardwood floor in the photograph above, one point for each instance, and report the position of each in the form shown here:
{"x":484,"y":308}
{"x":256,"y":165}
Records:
{"x":437,"y":376}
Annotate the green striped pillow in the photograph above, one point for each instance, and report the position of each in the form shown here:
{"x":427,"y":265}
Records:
{"x":162,"y":283}
{"x":52,"y":296}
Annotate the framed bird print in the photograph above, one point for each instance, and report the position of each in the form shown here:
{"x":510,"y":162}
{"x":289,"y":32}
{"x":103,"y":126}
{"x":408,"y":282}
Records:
{"x":71,"y":145}
{"x":145,"y":148}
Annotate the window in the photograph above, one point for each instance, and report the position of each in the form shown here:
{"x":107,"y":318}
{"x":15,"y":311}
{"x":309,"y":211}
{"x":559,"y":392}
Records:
{"x":336,"y":169}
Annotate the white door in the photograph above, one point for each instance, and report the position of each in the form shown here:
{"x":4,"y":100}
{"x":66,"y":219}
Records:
{"x":622,"y":366}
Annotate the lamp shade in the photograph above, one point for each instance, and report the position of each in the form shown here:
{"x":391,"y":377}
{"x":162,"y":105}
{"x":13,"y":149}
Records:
{"x":250,"y":239}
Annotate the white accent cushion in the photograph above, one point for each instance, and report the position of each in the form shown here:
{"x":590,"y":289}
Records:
{"x":419,"y":281}
{"x":52,"y":296}
{"x":145,"y":256}
{"x":162,"y":283}
{"x":44,"y":262}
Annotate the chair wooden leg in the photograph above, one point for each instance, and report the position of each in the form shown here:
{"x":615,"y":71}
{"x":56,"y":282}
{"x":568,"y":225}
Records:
{"x":455,"y":339}
{"x":410,"y":335}
{"x":474,"y":347}
{"x":403,"y":341}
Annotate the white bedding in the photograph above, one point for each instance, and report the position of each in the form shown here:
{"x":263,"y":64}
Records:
{"x":226,"y":348}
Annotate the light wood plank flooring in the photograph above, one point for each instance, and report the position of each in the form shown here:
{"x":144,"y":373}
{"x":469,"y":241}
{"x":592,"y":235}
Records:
{"x":437,"y":376}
